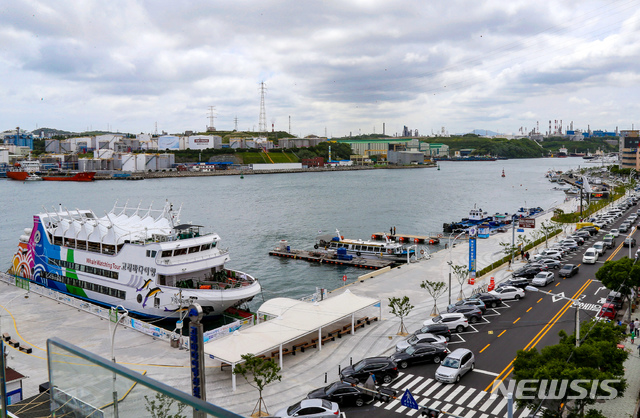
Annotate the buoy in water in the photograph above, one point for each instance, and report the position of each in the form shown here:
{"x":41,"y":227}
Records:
{"x":344,"y":278}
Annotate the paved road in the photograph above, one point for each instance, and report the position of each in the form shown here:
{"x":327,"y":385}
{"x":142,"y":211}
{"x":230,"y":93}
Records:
{"x":532,"y":322}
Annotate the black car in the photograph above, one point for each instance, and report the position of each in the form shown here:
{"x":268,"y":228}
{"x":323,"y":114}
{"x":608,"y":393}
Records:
{"x":583,"y":234}
{"x":383,"y":368}
{"x":471,"y":312}
{"x":629,"y":241}
{"x":490,"y":300}
{"x":436,"y":329}
{"x":527,"y":272}
{"x":419,"y":353}
{"x":592,"y":230}
{"x":342,"y":393}
{"x":568,"y":270}
{"x":516,"y":282}
{"x":475,"y":302}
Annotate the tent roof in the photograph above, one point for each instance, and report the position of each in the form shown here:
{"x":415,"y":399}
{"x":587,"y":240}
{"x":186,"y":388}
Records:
{"x":294,"y":319}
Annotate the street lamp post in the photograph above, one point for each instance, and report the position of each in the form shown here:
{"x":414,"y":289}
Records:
{"x":577,"y":306}
{"x":113,"y":357}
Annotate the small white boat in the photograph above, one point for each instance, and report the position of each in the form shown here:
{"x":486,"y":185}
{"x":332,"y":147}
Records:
{"x":33,"y":177}
{"x":388,"y":249}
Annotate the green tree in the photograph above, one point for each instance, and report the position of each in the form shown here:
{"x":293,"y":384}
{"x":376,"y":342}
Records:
{"x":258,"y":373}
{"x":160,"y":406}
{"x":401,"y":307}
{"x":509,"y":250}
{"x":621,"y":275}
{"x":435,"y":289}
{"x":598,"y":358}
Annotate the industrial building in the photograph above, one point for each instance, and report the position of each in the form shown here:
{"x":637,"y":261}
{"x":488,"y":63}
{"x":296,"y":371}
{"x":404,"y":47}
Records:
{"x":629,"y":147}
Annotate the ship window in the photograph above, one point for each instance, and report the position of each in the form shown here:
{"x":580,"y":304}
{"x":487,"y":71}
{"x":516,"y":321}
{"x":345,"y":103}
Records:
{"x":156,"y":302}
{"x":205,"y":247}
{"x":179,"y":251}
{"x":194,"y":249}
{"x":166,"y":253}
{"x":162,"y":280}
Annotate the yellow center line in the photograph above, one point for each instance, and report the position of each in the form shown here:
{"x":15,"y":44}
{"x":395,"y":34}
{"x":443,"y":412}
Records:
{"x":485,"y":347}
{"x":516,"y":320}
{"x":557,"y":284}
{"x":500,"y":335}
{"x":539,"y":300}
{"x":508,"y":369}
{"x":529,"y":309}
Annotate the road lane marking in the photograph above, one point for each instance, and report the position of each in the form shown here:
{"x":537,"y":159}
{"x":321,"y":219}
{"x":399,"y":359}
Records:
{"x":486,"y":372}
{"x":500,"y":335}
{"x":539,"y":300}
{"x":485,"y":347}
{"x":516,"y":320}
{"x":529,"y":309}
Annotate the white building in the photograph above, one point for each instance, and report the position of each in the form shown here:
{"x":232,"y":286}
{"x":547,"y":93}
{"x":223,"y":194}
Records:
{"x":4,"y":156}
{"x":199,"y":142}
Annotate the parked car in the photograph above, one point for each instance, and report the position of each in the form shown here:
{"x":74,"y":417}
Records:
{"x":600,"y":247}
{"x":508,"y":292}
{"x":455,"y":321}
{"x":607,"y":311}
{"x":515,"y":282}
{"x":344,"y":394}
{"x":455,"y":365}
{"x":592,"y":230}
{"x":436,"y":329}
{"x":527,"y":272}
{"x":571,"y":246}
{"x":543,"y":278}
{"x":615,"y":298}
{"x":489,"y":299}
{"x":421,"y":338}
{"x":583,"y":234}
{"x":551,"y":263}
{"x":475,"y":302}
{"x":577,"y":238}
{"x":419,"y":353}
{"x":315,"y":408}
{"x":629,"y":242}
{"x":471,"y":312}
{"x":568,"y":270}
{"x":549,"y":253}
{"x":590,"y":256}
{"x":383,"y":368}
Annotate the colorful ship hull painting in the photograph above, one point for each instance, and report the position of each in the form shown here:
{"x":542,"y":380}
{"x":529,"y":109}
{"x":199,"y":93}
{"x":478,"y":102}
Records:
{"x":151,"y":265}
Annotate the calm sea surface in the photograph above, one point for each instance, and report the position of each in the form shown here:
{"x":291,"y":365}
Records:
{"x":252,"y":214}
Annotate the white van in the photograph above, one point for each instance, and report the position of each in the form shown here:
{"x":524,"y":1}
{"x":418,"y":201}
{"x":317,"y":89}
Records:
{"x":590,"y":256}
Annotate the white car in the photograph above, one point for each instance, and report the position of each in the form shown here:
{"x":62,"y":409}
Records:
{"x":600,"y":247}
{"x":508,"y":292}
{"x":614,"y":232}
{"x":590,"y":256}
{"x":543,"y":278}
{"x":455,"y":321}
{"x":549,"y":253}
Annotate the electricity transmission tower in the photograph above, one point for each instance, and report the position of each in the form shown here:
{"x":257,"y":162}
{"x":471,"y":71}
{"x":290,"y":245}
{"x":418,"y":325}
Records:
{"x":262,"y":122}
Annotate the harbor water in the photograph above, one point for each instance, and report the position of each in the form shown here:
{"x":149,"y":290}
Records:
{"x":252,"y":214}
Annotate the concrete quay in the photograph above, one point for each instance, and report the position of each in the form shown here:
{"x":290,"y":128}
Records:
{"x":31,"y":321}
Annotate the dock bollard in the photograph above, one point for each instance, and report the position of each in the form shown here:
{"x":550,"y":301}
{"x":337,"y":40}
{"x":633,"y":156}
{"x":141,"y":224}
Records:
{"x":350,"y":361}
{"x":338,"y":369}
{"x":325,"y":377}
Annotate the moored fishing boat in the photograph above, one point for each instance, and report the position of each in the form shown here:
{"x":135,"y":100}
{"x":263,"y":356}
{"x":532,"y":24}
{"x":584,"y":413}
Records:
{"x":141,"y":259}
{"x":70,"y":176}
{"x":360,"y":248}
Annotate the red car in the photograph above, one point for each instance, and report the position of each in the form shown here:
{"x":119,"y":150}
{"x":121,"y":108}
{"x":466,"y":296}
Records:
{"x":608,"y":311}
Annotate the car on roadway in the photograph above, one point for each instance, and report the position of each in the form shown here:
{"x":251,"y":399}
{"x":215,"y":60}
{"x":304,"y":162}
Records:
{"x":471,"y":312}
{"x":489,"y":299}
{"x":508,"y":292}
{"x":344,"y":394}
{"x":515,"y":282}
{"x":568,"y":270}
{"x":551,"y":263}
{"x":459,"y":362}
{"x":590,"y":256}
{"x":629,"y":242}
{"x":314,"y":408}
{"x":455,"y":321}
{"x":527,"y":271}
{"x":383,"y":368}
{"x":475,"y":302}
{"x":615,"y":232}
{"x":624,"y":227}
{"x":421,"y":338}
{"x":543,"y":278}
{"x":420,"y":353}
{"x":436,"y":329}
{"x":609,"y":241}
{"x":600,"y":247}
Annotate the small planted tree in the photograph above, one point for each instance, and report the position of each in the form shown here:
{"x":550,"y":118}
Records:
{"x":461,"y":272}
{"x":161,"y":406}
{"x":509,"y":250}
{"x":401,"y":307}
{"x":435,"y":289}
{"x":258,"y":373}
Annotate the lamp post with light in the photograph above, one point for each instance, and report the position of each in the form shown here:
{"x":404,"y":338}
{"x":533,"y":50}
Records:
{"x":575,"y":302}
{"x":114,"y":315}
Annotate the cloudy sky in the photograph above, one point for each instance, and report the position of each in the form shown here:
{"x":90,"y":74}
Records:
{"x":342,"y":67}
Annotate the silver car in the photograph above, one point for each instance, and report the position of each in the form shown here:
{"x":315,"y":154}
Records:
{"x":310,"y":408}
{"x":421,"y":338}
{"x":455,"y":365}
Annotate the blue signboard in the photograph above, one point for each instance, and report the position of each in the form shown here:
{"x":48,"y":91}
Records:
{"x":408,"y":400}
{"x":472,"y":256}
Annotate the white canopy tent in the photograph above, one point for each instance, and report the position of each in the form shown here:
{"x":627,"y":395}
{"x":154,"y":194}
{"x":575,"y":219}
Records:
{"x":293,"y":319}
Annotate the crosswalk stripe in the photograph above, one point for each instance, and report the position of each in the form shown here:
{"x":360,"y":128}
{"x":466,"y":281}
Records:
{"x":444,"y":390}
{"x":484,"y":416}
{"x":447,"y":407}
{"x":526,"y":412}
{"x":432,"y":388}
{"x":392,"y":404}
{"x":464,"y":396}
{"x":423,"y":385}
{"x":454,"y":393}
{"x":434,"y":404}
{"x":412,"y":412}
{"x":458,"y":410}
{"x":488,"y":402}
{"x":413,"y":382}
{"x":500,"y":406}
{"x":470,"y":414}
{"x":475,"y":400}
{"x":402,"y":381}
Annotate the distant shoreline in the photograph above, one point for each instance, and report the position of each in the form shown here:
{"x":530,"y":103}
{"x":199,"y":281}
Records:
{"x":237,"y":172}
